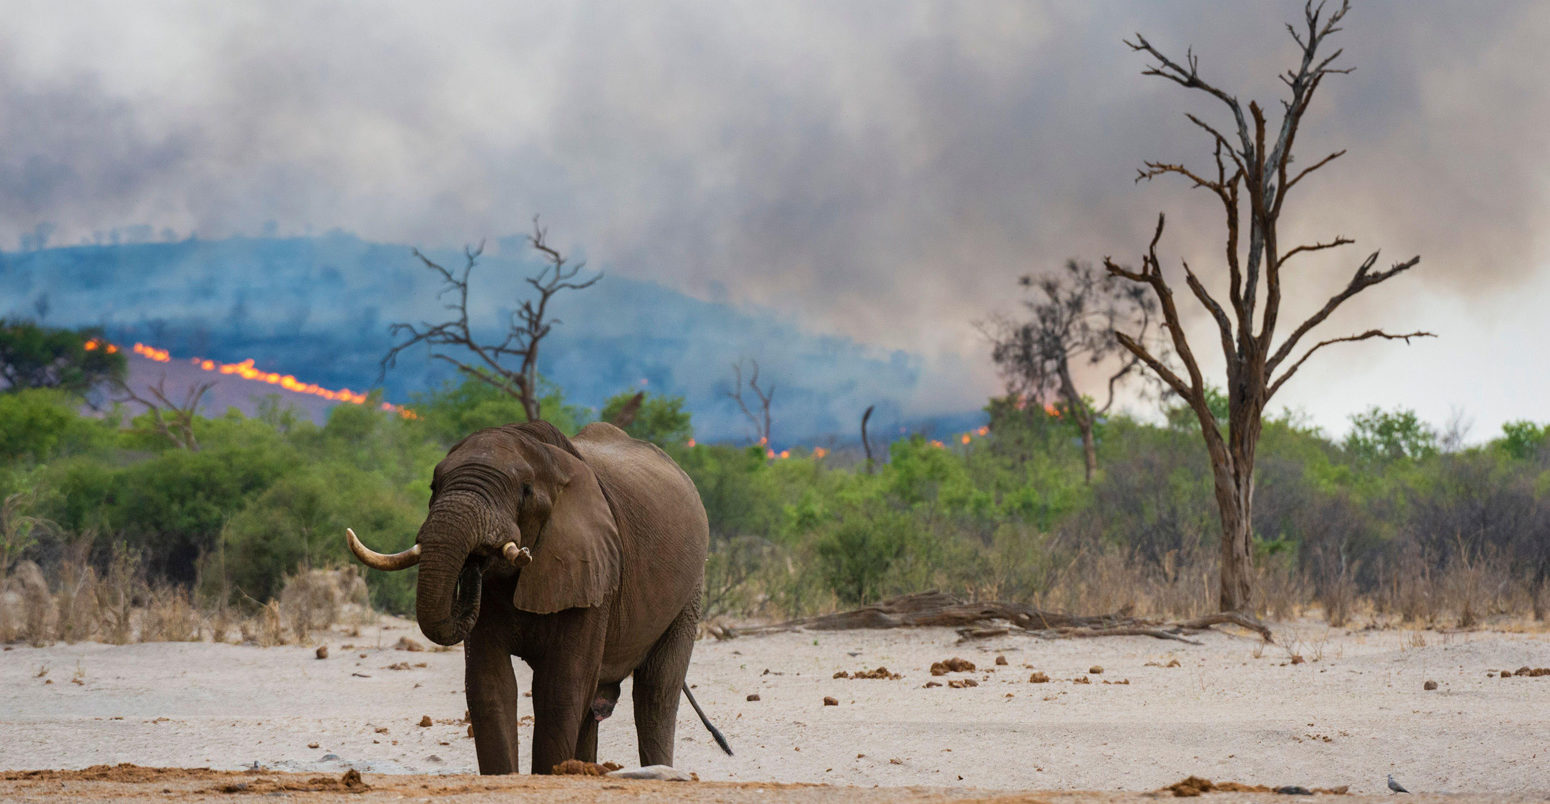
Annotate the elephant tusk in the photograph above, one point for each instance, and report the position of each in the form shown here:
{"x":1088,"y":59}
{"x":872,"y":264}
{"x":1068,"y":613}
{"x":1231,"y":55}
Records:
{"x":518,"y":556}
{"x":382,"y":561}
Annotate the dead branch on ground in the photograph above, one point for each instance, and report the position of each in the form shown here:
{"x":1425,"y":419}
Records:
{"x":981,"y":619}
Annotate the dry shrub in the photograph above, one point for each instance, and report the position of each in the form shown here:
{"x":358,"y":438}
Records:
{"x":1110,"y":579}
{"x":26,"y":607}
{"x":271,"y":629}
{"x":169,"y":616}
{"x":314,"y":599}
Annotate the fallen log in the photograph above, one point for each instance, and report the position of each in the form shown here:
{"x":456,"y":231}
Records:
{"x":972,"y":618}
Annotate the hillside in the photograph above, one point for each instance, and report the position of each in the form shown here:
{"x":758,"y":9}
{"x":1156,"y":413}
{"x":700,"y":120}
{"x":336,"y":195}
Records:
{"x":319,"y":308}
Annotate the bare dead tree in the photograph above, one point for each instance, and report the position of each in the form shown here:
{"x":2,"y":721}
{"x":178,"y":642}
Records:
{"x":1072,"y":319}
{"x":1251,"y":182}
{"x":175,"y":421}
{"x":454,"y":341}
{"x":761,"y":420}
{"x":865,"y":443}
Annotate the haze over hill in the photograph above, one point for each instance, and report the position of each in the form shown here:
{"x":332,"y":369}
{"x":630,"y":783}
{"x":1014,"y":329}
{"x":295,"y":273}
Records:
{"x":319,"y":308}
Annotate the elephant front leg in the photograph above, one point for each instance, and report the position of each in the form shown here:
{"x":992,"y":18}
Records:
{"x":492,"y":697}
{"x":564,"y":684}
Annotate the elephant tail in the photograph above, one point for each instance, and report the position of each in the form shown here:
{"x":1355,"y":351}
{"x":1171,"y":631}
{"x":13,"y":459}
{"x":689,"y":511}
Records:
{"x":714,"y":732}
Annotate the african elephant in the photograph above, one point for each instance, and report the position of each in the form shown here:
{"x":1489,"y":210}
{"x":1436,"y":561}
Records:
{"x":584,"y":557}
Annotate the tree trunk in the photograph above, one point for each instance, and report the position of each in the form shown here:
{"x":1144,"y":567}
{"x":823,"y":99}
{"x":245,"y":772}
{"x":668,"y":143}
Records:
{"x":1083,"y":418}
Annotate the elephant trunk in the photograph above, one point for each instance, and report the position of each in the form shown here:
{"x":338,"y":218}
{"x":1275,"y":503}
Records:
{"x":447,"y":593}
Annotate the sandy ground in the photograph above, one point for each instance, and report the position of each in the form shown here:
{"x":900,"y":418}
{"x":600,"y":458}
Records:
{"x":1352,"y":712}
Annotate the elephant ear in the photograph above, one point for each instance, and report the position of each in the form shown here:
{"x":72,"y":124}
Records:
{"x":576,"y":559}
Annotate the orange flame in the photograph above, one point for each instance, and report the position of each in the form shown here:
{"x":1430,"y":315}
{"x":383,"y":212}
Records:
{"x":159,"y":355}
{"x":937,"y":444}
{"x":690,"y":443}
{"x":965,"y":438}
{"x":819,"y":452}
{"x":94,"y":344}
{"x":983,"y":431}
{"x":247,"y":371}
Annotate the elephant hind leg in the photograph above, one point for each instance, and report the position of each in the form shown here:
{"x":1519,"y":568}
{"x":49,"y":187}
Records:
{"x":659,"y":683}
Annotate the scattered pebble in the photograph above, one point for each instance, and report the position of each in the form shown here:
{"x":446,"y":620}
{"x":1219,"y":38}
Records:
{"x":1038,"y":678}
{"x":1430,"y":685}
{"x":322,"y":652}
{"x":1297,"y":658}
{"x":753,"y":696}
{"x":1081,"y":680}
{"x":312,"y":745}
{"x":1000,"y":660}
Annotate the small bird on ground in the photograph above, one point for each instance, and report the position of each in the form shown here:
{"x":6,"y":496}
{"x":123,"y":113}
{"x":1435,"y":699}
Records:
{"x":1396,"y":786}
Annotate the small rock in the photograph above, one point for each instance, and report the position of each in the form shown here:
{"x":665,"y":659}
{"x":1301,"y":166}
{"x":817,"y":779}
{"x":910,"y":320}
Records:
{"x":329,"y":758}
{"x":1095,"y":670}
{"x":322,"y":652}
{"x":425,"y":721}
{"x":753,"y":696}
{"x":1000,"y":660}
{"x":1081,"y":680}
{"x":929,"y":684}
{"x":960,"y":683}
{"x":1294,"y":790}
{"x":661,"y":773}
{"x":1297,"y":658}
{"x":827,"y":701}
{"x":1038,"y":678}
{"x":312,"y":745}
{"x":1430,"y":685}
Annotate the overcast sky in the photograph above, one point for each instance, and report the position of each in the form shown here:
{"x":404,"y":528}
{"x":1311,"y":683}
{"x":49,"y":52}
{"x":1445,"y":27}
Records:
{"x":878,"y":170}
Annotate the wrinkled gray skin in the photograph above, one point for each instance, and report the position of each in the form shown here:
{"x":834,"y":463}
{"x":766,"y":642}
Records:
{"x":618,"y":537}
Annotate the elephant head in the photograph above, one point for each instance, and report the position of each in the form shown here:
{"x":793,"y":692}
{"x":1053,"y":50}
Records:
{"x":509,"y":499}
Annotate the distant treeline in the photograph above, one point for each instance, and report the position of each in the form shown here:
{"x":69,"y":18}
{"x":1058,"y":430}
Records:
{"x":1391,"y":520}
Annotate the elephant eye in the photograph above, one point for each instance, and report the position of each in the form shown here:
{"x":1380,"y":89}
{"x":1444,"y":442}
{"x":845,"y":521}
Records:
{"x":527,"y":491}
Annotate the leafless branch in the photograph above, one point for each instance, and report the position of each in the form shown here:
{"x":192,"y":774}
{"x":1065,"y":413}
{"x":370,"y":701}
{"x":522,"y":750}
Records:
{"x":454,"y":341}
{"x":180,"y":428}
{"x":1368,"y":335}
{"x":761,"y":421}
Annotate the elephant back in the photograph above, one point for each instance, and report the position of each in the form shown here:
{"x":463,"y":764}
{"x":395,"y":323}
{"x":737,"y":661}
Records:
{"x":663,"y":531}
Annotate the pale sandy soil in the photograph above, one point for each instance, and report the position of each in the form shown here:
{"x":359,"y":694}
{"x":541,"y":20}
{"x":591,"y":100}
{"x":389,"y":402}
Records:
{"x":1353,"y":712}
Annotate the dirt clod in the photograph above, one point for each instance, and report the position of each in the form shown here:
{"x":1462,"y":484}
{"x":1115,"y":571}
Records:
{"x":953,"y":665}
{"x":829,"y":700}
{"x":1000,"y":660}
{"x":1038,"y":678}
{"x":1095,"y":670}
{"x":881,"y":672}
{"x":1430,"y":685}
{"x":322,"y":652}
{"x":405,"y":643}
{"x":961,"y":683}
{"x":753,"y":696}
{"x":576,"y":767}
{"x":425,"y":721}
